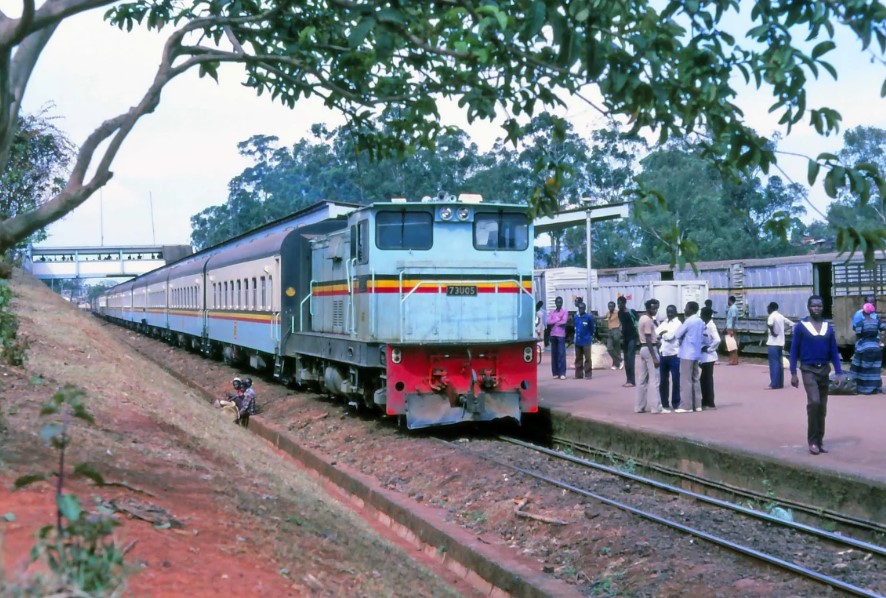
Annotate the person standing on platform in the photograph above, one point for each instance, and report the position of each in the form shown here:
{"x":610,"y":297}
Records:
{"x":867,"y":359}
{"x":613,"y":338}
{"x":857,"y":317}
{"x":557,"y":321}
{"x":628,"y":340}
{"x":731,"y":330}
{"x":584,"y":339}
{"x":670,"y":361}
{"x":540,"y":324}
{"x":709,"y":343}
{"x":647,"y":390}
{"x":814,"y":347}
{"x":710,"y":303}
{"x":777,"y":324}
{"x":690,"y":334}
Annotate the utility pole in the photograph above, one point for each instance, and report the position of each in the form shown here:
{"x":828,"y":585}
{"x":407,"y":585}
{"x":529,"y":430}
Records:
{"x":153,"y":235}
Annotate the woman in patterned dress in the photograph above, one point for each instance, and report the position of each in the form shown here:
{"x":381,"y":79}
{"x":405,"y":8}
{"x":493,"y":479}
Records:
{"x":868,"y":357}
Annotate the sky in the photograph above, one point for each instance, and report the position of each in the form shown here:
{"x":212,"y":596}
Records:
{"x":179,"y":160}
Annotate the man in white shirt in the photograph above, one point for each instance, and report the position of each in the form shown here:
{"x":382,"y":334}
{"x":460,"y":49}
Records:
{"x":777,"y":324}
{"x":709,"y":343}
{"x":690,"y":335}
{"x":670,"y":361}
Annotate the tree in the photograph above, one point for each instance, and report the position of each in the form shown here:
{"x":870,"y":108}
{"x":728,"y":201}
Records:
{"x":667,"y":66}
{"x":718,"y":217}
{"x":330,"y":165}
{"x":36,"y":169}
{"x":851,"y":215}
{"x":610,"y":170}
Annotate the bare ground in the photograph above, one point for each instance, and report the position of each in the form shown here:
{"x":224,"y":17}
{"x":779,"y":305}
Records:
{"x":244,"y":520}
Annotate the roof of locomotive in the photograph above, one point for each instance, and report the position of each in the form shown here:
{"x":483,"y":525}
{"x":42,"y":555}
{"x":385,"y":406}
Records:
{"x":446,"y":202}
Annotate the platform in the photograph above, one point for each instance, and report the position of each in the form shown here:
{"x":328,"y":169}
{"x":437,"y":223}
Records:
{"x":754,"y":433}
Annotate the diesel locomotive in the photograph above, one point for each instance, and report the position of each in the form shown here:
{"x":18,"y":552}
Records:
{"x":422,"y":310}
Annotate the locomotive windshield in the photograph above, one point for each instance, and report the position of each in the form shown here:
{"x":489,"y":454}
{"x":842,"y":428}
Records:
{"x":500,"y":231}
{"x":404,"y":230}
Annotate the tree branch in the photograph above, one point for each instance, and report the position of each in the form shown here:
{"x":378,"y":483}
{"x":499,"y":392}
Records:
{"x":12,"y":86}
{"x":14,"y":30}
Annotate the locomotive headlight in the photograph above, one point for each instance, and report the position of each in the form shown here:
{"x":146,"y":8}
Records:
{"x":463,"y":213}
{"x":396,"y":356}
{"x":446,"y":213}
{"x":527,"y":354}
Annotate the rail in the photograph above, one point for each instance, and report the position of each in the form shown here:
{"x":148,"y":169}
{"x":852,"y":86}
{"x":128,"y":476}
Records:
{"x":721,"y":541}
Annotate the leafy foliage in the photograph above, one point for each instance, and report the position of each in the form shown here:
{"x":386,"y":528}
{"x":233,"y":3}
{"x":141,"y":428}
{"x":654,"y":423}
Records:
{"x":36,"y":169}
{"x":77,"y":548}
{"x":697,"y":215}
{"x":859,"y":222}
{"x":670,"y":67}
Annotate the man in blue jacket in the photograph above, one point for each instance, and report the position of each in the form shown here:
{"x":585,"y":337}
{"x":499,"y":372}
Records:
{"x":814,"y":346}
{"x":584,"y":338}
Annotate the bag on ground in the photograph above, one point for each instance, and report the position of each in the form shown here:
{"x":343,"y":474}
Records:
{"x":847,"y":387}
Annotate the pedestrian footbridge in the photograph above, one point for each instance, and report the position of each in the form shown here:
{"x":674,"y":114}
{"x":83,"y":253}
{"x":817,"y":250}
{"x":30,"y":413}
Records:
{"x":122,"y":261}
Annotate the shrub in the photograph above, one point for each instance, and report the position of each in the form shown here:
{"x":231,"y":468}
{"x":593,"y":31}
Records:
{"x":78,"y":548}
{"x":13,"y":349}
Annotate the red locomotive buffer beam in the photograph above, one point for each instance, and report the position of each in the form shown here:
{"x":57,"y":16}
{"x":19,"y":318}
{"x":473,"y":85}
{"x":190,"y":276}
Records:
{"x":434,"y":385}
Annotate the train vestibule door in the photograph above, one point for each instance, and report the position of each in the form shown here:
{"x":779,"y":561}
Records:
{"x":823,"y":285}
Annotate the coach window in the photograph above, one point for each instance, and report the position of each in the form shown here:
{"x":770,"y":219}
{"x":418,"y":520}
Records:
{"x":264,"y":289}
{"x":508,"y":232}
{"x":270,"y":292}
{"x":246,"y":293}
{"x":239,"y":295}
{"x":404,"y":230}
{"x":255,"y":304}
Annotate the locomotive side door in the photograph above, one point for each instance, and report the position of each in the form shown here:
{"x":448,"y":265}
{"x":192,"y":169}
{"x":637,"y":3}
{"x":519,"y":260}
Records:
{"x":358,"y":261}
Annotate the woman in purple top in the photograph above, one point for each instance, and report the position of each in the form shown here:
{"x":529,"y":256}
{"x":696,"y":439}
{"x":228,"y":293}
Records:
{"x":557,"y":321}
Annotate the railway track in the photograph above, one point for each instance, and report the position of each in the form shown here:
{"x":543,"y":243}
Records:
{"x":842,"y":523}
{"x":839,"y":562}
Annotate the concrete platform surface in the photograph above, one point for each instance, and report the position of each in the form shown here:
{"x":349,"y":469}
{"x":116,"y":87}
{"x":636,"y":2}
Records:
{"x":748,"y":418}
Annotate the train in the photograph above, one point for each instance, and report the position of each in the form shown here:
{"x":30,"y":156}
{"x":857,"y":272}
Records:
{"x":841,"y":279}
{"x":420,"y":310}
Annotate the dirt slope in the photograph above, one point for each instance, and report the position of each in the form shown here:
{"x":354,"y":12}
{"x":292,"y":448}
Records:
{"x":245,"y":521}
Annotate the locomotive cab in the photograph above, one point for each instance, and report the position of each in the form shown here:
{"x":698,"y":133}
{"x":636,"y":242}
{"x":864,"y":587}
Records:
{"x":440,"y":295}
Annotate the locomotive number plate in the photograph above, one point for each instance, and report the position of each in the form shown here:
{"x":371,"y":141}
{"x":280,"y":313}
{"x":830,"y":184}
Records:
{"x":461,"y":291}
